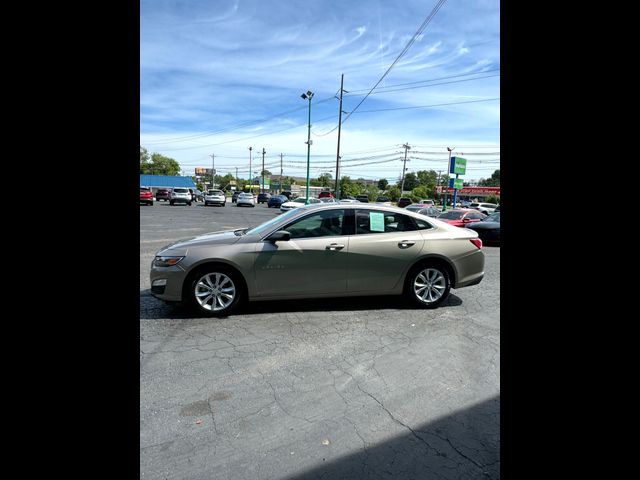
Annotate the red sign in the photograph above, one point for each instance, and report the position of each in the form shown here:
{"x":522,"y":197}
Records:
{"x":472,"y":190}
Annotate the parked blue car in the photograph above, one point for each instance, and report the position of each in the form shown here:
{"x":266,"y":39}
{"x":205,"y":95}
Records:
{"x":276,"y":201}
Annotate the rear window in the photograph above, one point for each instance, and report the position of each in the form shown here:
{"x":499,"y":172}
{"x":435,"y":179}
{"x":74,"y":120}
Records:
{"x":383,"y":199}
{"x":180,"y":190}
{"x":145,"y":189}
{"x":451,"y":215}
{"x":215,"y":192}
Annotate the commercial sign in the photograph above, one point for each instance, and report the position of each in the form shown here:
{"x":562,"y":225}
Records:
{"x":458,"y":165}
{"x":472,"y":190}
{"x":203,"y":171}
{"x":456,"y":183}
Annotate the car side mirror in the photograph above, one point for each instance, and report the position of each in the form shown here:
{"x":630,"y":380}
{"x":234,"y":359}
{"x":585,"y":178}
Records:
{"x":279,"y":236}
{"x":466,"y":220}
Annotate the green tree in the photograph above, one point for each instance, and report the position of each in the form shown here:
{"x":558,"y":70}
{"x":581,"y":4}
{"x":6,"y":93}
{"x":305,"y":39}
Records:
{"x":494,"y":181}
{"x":348,"y":188}
{"x":419,"y":193}
{"x":325,"y":180}
{"x":382,"y":184}
{"x":266,"y":173}
{"x":492,"y":199}
{"x":372,"y":192}
{"x":159,"y":165}
{"x":393,"y":193}
{"x":200,"y":186}
{"x":427,"y":178}
{"x":410,"y":181}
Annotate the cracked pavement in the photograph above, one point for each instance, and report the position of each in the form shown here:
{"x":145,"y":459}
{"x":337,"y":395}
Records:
{"x":338,"y":388}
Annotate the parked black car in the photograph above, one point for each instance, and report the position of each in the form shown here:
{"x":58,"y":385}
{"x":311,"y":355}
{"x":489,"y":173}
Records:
{"x":403,"y":202}
{"x":363,"y":198}
{"x":488,"y":228}
{"x":263,"y":197}
{"x":286,"y":193}
{"x":276,"y":201}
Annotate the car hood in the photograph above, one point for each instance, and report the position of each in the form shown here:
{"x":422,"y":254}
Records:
{"x":292,"y":204}
{"x":226,"y":237}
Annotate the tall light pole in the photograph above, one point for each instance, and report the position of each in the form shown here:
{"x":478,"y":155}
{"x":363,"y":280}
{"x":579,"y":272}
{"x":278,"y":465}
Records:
{"x":309,"y":96}
{"x":404,"y":166}
{"x":250,"y":187}
{"x":263,"y":152}
{"x":446,"y":186}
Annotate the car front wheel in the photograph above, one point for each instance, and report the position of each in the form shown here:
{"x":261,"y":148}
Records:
{"x":215,"y":292}
{"x":428,"y":285}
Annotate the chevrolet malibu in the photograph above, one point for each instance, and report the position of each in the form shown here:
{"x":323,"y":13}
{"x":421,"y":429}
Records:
{"x":320,"y":251}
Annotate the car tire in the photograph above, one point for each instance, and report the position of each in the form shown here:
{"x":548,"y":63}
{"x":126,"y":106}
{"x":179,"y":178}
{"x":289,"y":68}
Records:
{"x":189,"y":203}
{"x":204,"y":281}
{"x":171,"y":202}
{"x":428,"y":285}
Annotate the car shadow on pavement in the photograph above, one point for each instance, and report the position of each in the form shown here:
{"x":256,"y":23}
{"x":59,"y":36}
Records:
{"x":463,"y":444}
{"x":152,"y":308}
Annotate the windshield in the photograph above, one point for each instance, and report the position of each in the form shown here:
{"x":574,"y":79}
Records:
{"x":451,"y":215}
{"x":268,"y":224}
{"x":494,"y":217}
{"x":300,"y":200}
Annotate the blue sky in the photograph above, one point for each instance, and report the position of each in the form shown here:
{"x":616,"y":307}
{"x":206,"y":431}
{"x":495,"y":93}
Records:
{"x":217,"y":77}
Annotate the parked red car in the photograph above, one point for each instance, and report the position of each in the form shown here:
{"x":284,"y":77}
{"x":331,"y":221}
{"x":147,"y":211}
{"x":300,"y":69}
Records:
{"x":163,"y":194}
{"x":460,"y":217}
{"x":146,"y":195}
{"x":326,"y":195}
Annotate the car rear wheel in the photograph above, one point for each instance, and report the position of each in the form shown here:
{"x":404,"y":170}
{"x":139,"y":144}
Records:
{"x":171,"y":202}
{"x":428,"y":285}
{"x":215,"y":291}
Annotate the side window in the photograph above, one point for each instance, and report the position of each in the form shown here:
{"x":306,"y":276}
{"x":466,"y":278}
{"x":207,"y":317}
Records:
{"x":422,"y":225}
{"x":322,"y":224}
{"x":475,"y":216}
{"x":374,"y":221}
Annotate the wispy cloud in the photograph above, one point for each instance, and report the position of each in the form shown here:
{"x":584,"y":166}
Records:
{"x":207,"y":67}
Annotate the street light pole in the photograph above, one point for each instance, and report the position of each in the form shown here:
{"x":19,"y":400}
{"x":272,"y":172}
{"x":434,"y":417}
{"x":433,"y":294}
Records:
{"x":309,"y":96}
{"x":444,"y":207}
{"x":250,"y":186}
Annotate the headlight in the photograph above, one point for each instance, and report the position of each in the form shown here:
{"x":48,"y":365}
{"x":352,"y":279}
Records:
{"x":166,"y":261}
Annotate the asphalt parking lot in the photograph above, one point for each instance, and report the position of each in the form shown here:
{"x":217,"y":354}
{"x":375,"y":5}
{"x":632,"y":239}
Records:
{"x":343,"y":388}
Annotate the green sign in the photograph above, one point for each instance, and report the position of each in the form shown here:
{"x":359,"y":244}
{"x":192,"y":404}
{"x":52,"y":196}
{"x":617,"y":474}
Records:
{"x":457,"y":183}
{"x":376,"y":222}
{"x":458,"y":165}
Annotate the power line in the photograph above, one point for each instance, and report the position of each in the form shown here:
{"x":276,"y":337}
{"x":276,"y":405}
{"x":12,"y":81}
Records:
{"x":425,"y":86}
{"x":402,"y":53}
{"x":429,"y":106}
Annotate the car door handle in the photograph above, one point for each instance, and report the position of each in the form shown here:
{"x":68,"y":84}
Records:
{"x":334,"y":246}
{"x":405,"y":243}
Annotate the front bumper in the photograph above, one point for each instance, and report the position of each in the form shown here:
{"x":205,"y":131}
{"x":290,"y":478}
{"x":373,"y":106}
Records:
{"x":166,"y":282}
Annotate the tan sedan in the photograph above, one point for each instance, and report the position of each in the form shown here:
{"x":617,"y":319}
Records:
{"x":316,"y":251}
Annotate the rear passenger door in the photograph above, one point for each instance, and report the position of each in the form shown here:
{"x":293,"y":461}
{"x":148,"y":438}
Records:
{"x":384,"y":245}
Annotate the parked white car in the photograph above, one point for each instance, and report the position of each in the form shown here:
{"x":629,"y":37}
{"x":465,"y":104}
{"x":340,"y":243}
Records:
{"x":180,"y":195}
{"x":245,"y":199}
{"x":215,"y":197}
{"x":485,"y":208}
{"x":298,"y":202}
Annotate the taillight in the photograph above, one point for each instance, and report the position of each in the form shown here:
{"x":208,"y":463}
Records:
{"x":477,"y":242}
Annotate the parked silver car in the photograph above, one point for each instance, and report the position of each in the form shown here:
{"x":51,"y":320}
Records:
{"x":317,"y":251}
{"x":246,"y":199}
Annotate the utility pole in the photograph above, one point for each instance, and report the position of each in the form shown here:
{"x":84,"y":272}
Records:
{"x":250,"y":186}
{"x":280,"y":173}
{"x":263,"y":152}
{"x":404,"y":166}
{"x":237,"y":181}
{"x":438,"y":181}
{"x":337,"y":187}
{"x":213,"y":170}
{"x":444,"y":206}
